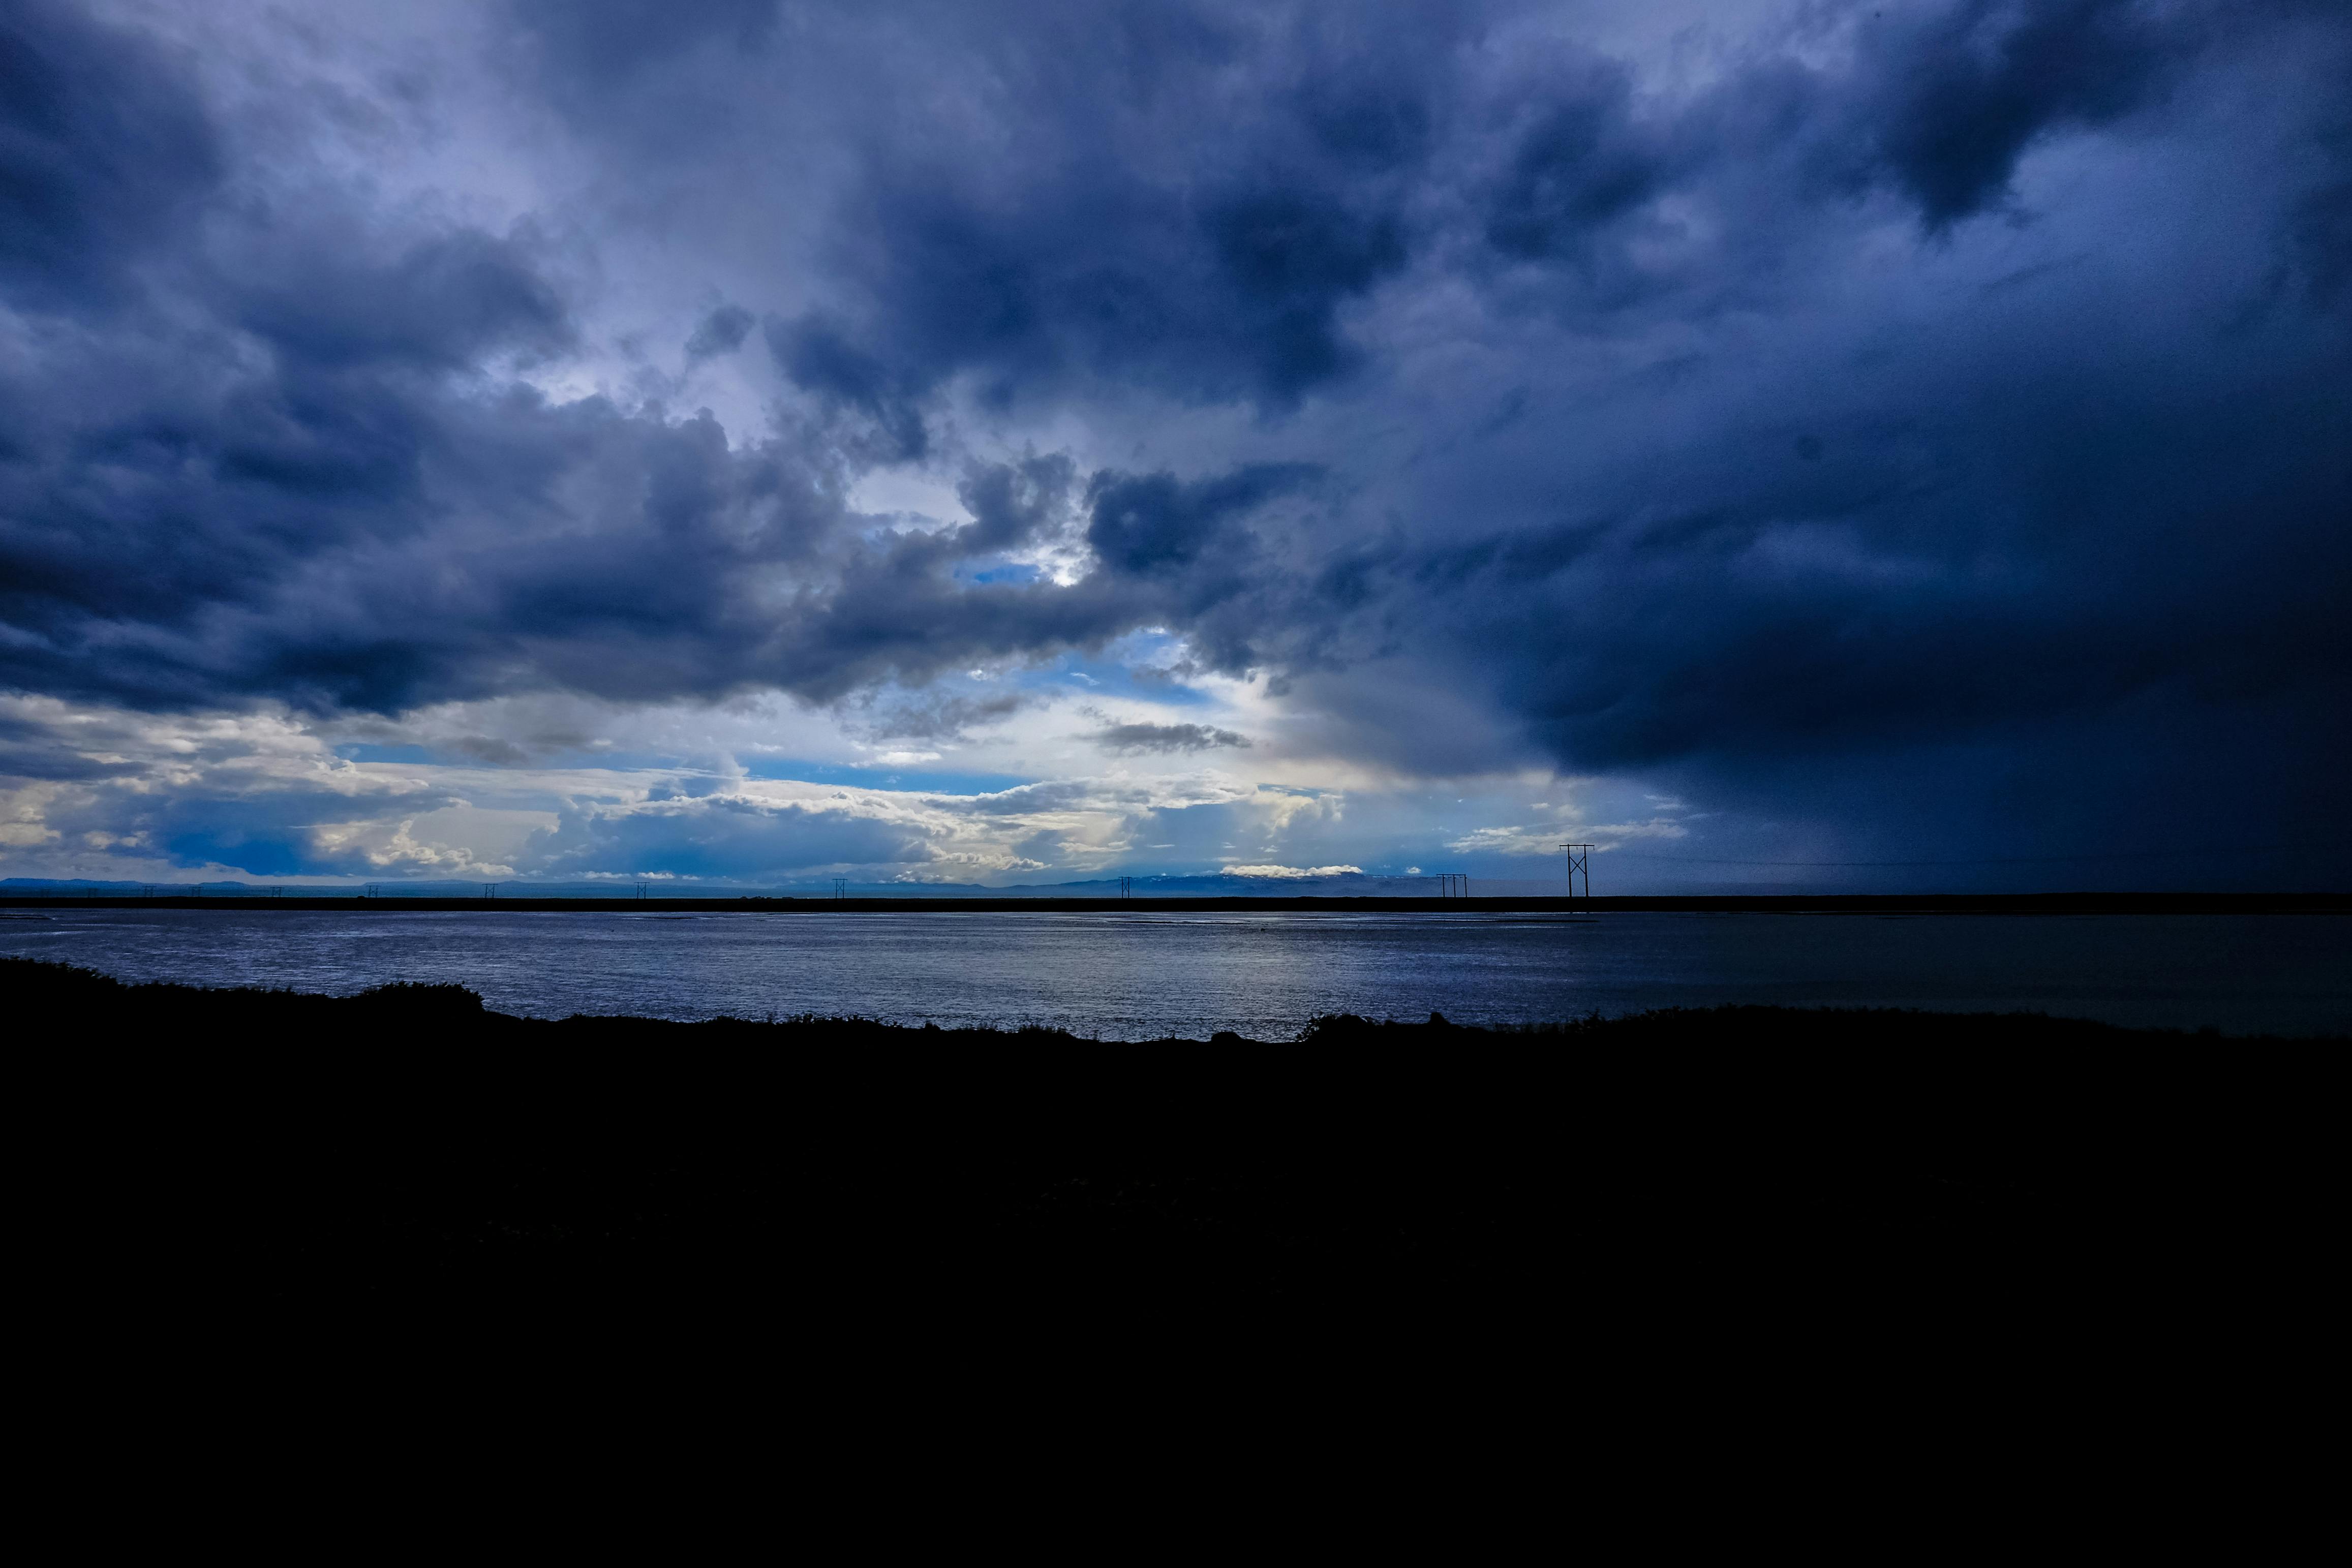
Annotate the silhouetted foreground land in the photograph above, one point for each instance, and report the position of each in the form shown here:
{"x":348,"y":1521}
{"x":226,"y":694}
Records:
{"x":402,"y":1163}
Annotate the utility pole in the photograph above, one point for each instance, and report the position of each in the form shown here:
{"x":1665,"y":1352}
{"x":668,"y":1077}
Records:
{"x":1580,"y":860}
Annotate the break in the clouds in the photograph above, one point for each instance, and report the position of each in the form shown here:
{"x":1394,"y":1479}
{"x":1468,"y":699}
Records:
{"x":743,"y":441}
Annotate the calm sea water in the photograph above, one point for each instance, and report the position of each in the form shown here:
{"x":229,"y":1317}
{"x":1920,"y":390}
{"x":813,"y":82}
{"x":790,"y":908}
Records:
{"x":1139,"y":976}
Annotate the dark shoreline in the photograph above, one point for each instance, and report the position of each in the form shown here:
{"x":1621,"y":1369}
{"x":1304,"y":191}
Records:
{"x":56,"y":994}
{"x":1838,"y":903}
{"x":334,"y":1166}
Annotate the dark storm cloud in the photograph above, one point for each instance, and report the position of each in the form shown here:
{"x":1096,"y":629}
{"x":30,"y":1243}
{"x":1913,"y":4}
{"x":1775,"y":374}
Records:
{"x":30,"y":751}
{"x":1013,"y":502}
{"x":438,"y":302}
{"x":816,"y":354}
{"x":1958,"y":380}
{"x":1186,"y":196}
{"x":721,"y":333}
{"x":1154,"y":525}
{"x":355,"y":517}
{"x":103,"y":150}
{"x":590,"y":57}
{"x":1587,"y":159}
{"x":1958,"y":95}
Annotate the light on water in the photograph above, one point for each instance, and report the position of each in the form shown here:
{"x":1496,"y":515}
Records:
{"x":1142,"y":976}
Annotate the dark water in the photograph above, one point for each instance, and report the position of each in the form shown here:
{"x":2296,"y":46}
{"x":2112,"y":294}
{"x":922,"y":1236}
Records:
{"x":1138,"y":976}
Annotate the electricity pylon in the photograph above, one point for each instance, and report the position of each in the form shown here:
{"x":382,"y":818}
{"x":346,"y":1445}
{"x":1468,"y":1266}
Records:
{"x":1579,"y":858}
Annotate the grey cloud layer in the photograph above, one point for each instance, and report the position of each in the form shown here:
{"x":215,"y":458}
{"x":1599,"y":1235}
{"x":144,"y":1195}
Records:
{"x":1966,"y":380}
{"x":1136,"y":737}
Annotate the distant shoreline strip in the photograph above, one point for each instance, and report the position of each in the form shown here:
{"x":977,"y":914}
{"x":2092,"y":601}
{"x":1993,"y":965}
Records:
{"x":1828,"y":903}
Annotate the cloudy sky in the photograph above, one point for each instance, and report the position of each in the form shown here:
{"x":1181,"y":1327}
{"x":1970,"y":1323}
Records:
{"x":749,"y":442}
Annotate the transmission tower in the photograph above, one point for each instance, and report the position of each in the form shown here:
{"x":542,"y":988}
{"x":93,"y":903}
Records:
{"x":1580,"y":857}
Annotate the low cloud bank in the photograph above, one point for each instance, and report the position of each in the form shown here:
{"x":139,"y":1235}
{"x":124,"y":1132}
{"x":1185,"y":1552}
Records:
{"x":1293,"y":873}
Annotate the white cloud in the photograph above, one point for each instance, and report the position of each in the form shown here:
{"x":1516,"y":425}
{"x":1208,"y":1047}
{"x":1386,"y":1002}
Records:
{"x":1293,"y":872}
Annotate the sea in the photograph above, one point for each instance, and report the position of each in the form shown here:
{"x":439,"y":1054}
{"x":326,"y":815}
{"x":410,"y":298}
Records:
{"x":1152,"y":975}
